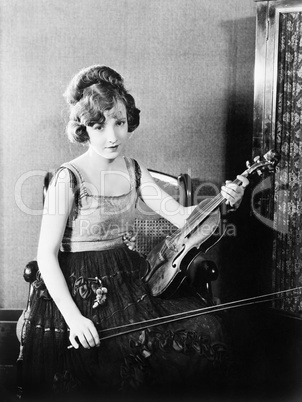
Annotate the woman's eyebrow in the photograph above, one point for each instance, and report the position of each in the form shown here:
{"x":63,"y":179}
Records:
{"x":118,"y":115}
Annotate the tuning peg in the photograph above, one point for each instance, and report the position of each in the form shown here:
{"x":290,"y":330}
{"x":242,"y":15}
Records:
{"x":257,"y":158}
{"x":248,"y":165}
{"x":259,"y":172}
{"x":272,"y":156}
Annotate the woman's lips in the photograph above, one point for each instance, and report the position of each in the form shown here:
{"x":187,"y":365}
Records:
{"x":114,"y":148}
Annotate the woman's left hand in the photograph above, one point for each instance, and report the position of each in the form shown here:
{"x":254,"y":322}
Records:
{"x":232,"y":192}
{"x":129,"y":239}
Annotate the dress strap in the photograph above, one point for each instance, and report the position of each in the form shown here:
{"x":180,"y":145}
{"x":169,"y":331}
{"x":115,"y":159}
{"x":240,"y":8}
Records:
{"x":76,"y":179}
{"x":138,"y":174}
{"x":75,"y":172}
{"x":134,"y":172}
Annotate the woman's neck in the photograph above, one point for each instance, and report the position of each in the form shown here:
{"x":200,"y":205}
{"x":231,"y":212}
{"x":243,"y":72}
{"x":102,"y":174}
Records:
{"x":108,"y":177}
{"x":98,"y":162}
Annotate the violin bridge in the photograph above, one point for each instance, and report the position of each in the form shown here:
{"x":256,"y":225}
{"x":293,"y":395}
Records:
{"x":173,"y":248}
{"x":171,"y":245}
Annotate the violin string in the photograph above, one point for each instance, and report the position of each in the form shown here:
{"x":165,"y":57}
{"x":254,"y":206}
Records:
{"x":191,"y":224}
{"x":194,"y":313}
{"x":213,"y":204}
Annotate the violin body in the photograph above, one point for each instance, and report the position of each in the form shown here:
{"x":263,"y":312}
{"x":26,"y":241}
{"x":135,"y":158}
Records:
{"x":171,"y":262}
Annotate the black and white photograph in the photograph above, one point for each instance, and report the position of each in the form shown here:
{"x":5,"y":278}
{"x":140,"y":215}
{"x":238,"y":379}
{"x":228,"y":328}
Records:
{"x":151,"y":199}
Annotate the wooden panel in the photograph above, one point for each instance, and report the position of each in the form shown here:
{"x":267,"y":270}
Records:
{"x":9,"y":344}
{"x":266,"y":70}
{"x":259,"y":76}
{"x":265,"y":78}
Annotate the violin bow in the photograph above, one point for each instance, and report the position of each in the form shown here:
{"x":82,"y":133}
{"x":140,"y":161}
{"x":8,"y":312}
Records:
{"x":108,"y":333}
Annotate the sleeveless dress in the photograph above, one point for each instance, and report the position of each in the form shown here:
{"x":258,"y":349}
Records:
{"x":104,"y":279}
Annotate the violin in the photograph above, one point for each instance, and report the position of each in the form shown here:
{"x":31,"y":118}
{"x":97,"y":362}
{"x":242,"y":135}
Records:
{"x":172,"y":259}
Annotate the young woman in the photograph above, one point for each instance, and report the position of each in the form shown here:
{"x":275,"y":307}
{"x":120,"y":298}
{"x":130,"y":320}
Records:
{"x":89,"y":280}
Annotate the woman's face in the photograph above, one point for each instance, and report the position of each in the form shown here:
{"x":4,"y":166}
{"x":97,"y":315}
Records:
{"x":109,"y":139}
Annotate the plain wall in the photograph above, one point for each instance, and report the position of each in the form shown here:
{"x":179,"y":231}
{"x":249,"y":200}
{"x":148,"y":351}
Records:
{"x":188,"y":63}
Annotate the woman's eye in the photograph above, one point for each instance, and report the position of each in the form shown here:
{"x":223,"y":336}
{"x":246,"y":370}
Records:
{"x":121,"y":122}
{"x":98,"y":127}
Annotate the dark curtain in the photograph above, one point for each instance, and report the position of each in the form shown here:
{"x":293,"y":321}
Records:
{"x":287,"y":243}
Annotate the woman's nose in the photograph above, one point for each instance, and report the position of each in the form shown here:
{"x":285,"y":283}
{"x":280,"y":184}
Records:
{"x":112,"y":137}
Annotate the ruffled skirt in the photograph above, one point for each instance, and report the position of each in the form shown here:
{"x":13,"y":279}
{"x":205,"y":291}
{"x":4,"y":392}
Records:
{"x":107,"y":288}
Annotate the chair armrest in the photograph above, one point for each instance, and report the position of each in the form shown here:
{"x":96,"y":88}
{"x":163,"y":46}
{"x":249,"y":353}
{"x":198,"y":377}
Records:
{"x":186,"y":189}
{"x":30,"y":271}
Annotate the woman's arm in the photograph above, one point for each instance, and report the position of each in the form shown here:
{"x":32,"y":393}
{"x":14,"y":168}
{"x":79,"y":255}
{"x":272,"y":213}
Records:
{"x":161,"y":202}
{"x":166,"y":206}
{"x":58,"y":203}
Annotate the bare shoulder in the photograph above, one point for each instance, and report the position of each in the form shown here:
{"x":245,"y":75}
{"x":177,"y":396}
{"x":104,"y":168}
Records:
{"x":81,"y":165}
{"x":79,"y":161}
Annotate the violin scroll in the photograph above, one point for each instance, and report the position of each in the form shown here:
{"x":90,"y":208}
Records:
{"x":269,"y":162}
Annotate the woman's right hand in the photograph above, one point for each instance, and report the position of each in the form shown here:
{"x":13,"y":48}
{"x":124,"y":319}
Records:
{"x":83,"y":330}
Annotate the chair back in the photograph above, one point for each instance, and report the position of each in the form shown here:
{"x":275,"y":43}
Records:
{"x":151,"y":228}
